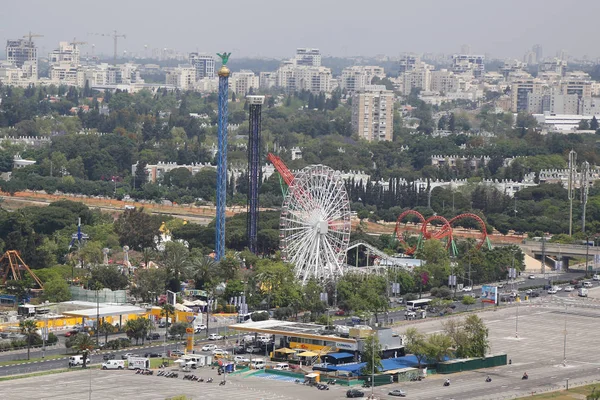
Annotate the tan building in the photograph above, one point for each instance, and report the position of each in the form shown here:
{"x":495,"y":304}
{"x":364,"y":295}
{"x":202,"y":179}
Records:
{"x":373,"y":113}
{"x":521,"y":90}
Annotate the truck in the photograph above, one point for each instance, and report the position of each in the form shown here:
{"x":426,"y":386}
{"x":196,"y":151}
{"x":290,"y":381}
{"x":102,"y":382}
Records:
{"x":113,"y":364}
{"x":583,"y":292}
{"x":138,"y":363}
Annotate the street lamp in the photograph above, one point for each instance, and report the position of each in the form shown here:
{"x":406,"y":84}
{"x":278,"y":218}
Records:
{"x":45,"y":330}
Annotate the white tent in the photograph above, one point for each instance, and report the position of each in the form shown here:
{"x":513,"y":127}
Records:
{"x":181,"y":307}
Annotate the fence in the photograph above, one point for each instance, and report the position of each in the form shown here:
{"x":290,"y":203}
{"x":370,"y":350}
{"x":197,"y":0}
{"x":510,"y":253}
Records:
{"x":104,"y":296}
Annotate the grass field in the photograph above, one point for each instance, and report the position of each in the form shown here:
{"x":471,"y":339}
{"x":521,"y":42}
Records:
{"x":578,"y":393}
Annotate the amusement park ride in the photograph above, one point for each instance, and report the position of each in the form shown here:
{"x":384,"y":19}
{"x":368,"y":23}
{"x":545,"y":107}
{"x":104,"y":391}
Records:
{"x":439,"y":228}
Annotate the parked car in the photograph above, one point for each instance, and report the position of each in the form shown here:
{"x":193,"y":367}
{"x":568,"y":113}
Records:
{"x":397,"y":392}
{"x":214,"y":336}
{"x":153,"y":336}
{"x":173,"y":337}
{"x":253,"y":349}
{"x":151,"y":355}
{"x":355,"y":393}
{"x":208,"y":347}
{"x":72,"y":332}
{"x":568,"y":288}
{"x":340,"y":313}
{"x":219,"y":352}
{"x":240,"y":359}
{"x":127,"y":355}
{"x":177,"y":352}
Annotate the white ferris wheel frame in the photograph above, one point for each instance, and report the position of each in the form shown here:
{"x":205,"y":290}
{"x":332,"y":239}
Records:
{"x":315,"y":224}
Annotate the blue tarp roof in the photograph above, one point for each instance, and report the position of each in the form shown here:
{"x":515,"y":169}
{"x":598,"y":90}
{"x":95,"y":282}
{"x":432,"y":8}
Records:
{"x":337,"y":356}
{"x":387,"y":364}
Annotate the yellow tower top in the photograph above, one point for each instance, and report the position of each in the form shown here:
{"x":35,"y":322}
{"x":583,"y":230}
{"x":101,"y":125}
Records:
{"x":224,"y":71}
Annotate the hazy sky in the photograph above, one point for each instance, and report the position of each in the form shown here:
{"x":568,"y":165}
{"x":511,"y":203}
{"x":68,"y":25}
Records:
{"x":275,"y":28}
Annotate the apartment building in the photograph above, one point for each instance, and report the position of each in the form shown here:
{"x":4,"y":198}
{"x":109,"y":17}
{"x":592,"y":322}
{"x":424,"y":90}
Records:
{"x":204,"y":65}
{"x":468,"y":63}
{"x":520,"y":91}
{"x":418,"y":78}
{"x":308,"y":57}
{"x":183,"y":77}
{"x":355,"y":78}
{"x":65,"y":54}
{"x":443,"y":81}
{"x":373,"y":113}
{"x":243,"y":82}
{"x":23,"y":54}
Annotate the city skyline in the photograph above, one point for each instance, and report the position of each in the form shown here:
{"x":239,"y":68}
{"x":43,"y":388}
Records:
{"x":270,"y":30}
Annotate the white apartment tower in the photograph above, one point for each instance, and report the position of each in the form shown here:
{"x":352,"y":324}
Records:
{"x":243,"y":82}
{"x":66,"y":53}
{"x":373,"y":113}
{"x":308,"y":57}
{"x":355,"y":78}
{"x":204,"y":65}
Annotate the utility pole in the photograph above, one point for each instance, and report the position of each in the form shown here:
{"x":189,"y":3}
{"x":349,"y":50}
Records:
{"x":571,"y":187}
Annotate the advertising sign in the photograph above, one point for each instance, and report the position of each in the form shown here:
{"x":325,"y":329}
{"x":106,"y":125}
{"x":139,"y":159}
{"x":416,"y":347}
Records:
{"x":489,"y":294}
{"x":346,"y":346}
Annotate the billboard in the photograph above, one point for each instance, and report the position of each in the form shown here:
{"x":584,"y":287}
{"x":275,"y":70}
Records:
{"x":489,"y":294}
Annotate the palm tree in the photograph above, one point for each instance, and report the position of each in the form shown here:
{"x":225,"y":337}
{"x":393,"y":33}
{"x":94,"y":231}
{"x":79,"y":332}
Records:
{"x":167,"y":309}
{"x":147,"y":255}
{"x":28,"y":327}
{"x":176,"y":260}
{"x":84,"y":343}
{"x":203,"y":270}
{"x":106,"y":328}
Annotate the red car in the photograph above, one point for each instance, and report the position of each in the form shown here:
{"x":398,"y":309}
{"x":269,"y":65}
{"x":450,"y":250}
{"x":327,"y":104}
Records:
{"x":340,"y":313}
{"x":71,"y":333}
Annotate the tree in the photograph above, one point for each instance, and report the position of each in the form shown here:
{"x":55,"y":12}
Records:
{"x":468,"y":301}
{"x":137,"y":329}
{"x":203,"y":270}
{"x":108,"y":276}
{"x":56,"y":290}
{"x":28,"y":327}
{"x":106,"y":328}
{"x":372,"y":355}
{"x":584,"y":125}
{"x":149,"y":283}
{"x":83,"y":343}
{"x":594,"y":125}
{"x":178,"y":329}
{"x":176,"y":261}
{"x":478,"y":336}
{"x":167,"y":309}
{"x":438,"y":347}
{"x":416,"y":344}
{"x":137,"y":229}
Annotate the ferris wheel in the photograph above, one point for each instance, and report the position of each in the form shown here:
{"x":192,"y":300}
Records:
{"x":315,"y":223}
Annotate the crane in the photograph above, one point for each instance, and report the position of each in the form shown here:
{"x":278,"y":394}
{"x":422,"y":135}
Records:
{"x":32,"y":35}
{"x":74,"y":43}
{"x":116,"y":37}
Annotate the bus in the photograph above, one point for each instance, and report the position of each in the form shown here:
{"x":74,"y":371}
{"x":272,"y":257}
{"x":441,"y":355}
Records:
{"x":417,"y":304}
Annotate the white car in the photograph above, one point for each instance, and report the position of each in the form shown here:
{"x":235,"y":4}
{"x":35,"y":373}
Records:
{"x":127,"y":355}
{"x":208,"y":347}
{"x":557,"y":288}
{"x":568,"y":288}
{"x":528,"y":291}
{"x":219,"y":352}
{"x":214,"y":336}
{"x":467,"y":289}
{"x":596,"y":277}
{"x":531,"y":276}
{"x":241,"y":359}
{"x":552,"y":291}
{"x":200,"y":328}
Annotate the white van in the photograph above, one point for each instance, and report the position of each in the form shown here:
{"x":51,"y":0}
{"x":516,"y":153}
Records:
{"x":282,"y":367}
{"x":138,"y":363}
{"x":78,"y":360}
{"x":258,"y":364}
{"x":264,"y":338}
{"x":588,"y":284}
{"x":583,"y":292}
{"x":114,"y":364}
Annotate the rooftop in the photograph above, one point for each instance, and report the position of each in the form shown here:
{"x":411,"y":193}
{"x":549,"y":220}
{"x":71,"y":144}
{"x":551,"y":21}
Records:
{"x":287,"y":328}
{"x":105,"y":311}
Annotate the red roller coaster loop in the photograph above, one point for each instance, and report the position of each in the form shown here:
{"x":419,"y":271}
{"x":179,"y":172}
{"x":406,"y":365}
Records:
{"x":445,"y":231}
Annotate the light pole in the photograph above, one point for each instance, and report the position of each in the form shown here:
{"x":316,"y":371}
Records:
{"x":373,"y":365}
{"x":97,"y":315}
{"x":45,"y":331}
{"x":565,"y":340}
{"x":517,"y":323}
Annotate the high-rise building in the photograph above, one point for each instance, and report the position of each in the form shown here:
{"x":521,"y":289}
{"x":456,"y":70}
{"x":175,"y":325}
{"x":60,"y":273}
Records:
{"x":373,"y":113}
{"x":558,"y":66}
{"x":355,"y":78}
{"x":520,"y":91}
{"x":464,"y":63}
{"x":308,"y":57}
{"x":204,"y":65}
{"x":22,"y":52}
{"x":409,"y":62}
{"x":182,"y":77}
{"x":243,"y":82}
{"x":66,"y":53}
{"x":539,"y":53}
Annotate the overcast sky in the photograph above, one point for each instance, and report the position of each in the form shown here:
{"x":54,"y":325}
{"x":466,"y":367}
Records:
{"x":275,"y":28}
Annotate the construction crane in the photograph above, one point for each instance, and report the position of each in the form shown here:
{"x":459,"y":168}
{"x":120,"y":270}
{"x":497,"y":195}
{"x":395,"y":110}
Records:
{"x":74,"y":43}
{"x":32,"y":35}
{"x":116,"y":37}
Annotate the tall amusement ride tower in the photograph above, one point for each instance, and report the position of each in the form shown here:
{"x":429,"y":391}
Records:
{"x":255,"y":107}
{"x":222,"y":158}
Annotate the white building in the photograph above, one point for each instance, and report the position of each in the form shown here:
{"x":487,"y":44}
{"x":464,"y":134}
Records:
{"x":443,"y":81}
{"x":468,"y":63}
{"x":23,"y":54}
{"x":308,"y":57}
{"x":183,"y":77}
{"x":204,"y":65}
{"x":242,"y":82}
{"x":419,"y":78}
{"x":355,"y":78}
{"x":65,"y":54}
{"x":267,"y":80}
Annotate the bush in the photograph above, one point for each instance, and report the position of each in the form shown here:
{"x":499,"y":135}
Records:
{"x":259,"y":316}
{"x":52,"y":339}
{"x":411,"y":296}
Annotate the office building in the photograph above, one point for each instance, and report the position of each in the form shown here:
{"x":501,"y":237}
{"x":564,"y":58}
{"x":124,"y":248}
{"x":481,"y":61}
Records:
{"x":23,"y":54}
{"x":373,"y":113}
{"x":558,"y":66}
{"x":308,"y":57}
{"x":204,"y":65}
